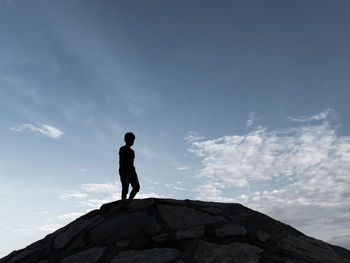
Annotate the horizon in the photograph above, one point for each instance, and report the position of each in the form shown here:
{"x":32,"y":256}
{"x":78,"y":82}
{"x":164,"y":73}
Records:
{"x":242,"y":101}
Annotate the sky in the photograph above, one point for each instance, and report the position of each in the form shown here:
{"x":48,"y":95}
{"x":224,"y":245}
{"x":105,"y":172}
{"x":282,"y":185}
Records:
{"x":230,"y":101}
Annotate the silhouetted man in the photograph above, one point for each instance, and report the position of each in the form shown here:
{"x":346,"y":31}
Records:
{"x":126,"y":167}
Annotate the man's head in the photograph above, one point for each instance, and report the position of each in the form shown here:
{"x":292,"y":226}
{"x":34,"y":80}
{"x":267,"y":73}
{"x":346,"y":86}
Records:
{"x":129,"y":138}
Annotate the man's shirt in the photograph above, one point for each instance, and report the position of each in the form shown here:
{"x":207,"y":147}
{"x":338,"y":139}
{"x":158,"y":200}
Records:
{"x":126,"y":159}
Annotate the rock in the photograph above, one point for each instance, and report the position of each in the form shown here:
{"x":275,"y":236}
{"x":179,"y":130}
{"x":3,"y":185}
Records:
{"x":75,"y":228}
{"x":310,"y":248}
{"x":91,"y":255}
{"x":110,"y":207}
{"x":235,"y":252}
{"x":123,"y":243}
{"x":135,"y":225}
{"x":140,"y":204}
{"x":262,"y":235}
{"x":23,"y":254}
{"x":190,"y":233}
{"x":77,"y":242}
{"x":212,"y":210}
{"x":164,"y":230}
{"x":159,"y":255}
{"x":230,"y":230}
{"x":183,"y":217}
{"x":160,"y":239}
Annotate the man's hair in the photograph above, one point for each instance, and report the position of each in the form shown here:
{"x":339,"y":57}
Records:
{"x":129,"y":136}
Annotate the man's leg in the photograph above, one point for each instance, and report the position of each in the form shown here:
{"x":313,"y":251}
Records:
{"x":125,"y":185}
{"x":134,"y":181}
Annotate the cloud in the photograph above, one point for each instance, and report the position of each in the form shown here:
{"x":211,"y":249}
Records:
{"x":70,"y":216}
{"x":107,"y":188}
{"x":95,"y":195}
{"x":5,"y":211}
{"x":9,"y":2}
{"x":34,"y":229}
{"x":119,"y":88}
{"x":251,"y":119}
{"x":73,"y":194}
{"x":49,"y":227}
{"x":317,"y":117}
{"x":299,"y":175}
{"x":183,"y":168}
{"x":39,"y":129}
{"x":192,"y":136}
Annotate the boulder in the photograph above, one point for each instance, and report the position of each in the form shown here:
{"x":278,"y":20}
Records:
{"x":157,"y":255}
{"x":184,"y":217}
{"x":234,"y":252}
{"x":136,"y":225}
{"x":75,"y":228}
{"x":91,"y":255}
{"x":190,"y":233}
{"x":230,"y":230}
{"x":262,"y":235}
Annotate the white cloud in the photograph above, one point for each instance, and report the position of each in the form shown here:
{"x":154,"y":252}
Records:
{"x":49,"y":227}
{"x":263,"y":155}
{"x":5,"y":211}
{"x":192,"y":136}
{"x":251,"y":119}
{"x":107,"y":188}
{"x":97,"y":203}
{"x":300,"y":175}
{"x":317,"y":117}
{"x":34,"y":229}
{"x":73,"y":194}
{"x":149,"y":195}
{"x":39,"y":129}
{"x":183,"y":168}
{"x":98,"y":194}
{"x":70,"y":216}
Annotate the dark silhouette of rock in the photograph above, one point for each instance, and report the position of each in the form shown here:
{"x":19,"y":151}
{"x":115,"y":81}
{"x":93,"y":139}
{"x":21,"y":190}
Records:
{"x":177,"y":231}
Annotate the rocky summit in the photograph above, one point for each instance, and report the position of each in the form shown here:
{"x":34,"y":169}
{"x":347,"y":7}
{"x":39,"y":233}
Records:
{"x":178,"y":231}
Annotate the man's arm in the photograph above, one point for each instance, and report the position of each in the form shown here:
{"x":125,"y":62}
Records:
{"x":121,"y":159}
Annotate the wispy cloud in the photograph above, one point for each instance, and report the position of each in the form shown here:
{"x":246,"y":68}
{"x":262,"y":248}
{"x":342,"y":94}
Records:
{"x":131,"y":92}
{"x":299,"y":175}
{"x":107,"y":188}
{"x":95,"y":195}
{"x":70,"y":216}
{"x":251,"y":119}
{"x":49,"y":227}
{"x":183,"y":168}
{"x":192,"y":136}
{"x":5,"y":211}
{"x":34,"y":229}
{"x":38,"y":129}
{"x":317,"y":117}
{"x":9,"y":2}
{"x":73,"y":194}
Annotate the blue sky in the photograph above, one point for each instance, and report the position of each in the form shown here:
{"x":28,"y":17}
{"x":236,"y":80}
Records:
{"x":231,"y":101}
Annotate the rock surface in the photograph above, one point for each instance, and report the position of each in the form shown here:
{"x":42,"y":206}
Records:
{"x":177,"y":231}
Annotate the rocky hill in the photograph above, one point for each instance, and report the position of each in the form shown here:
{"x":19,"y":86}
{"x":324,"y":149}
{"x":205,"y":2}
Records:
{"x":167,"y":230}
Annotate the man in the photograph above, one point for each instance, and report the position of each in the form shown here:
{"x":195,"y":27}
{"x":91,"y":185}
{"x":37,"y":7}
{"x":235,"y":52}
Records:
{"x":126,"y":167}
